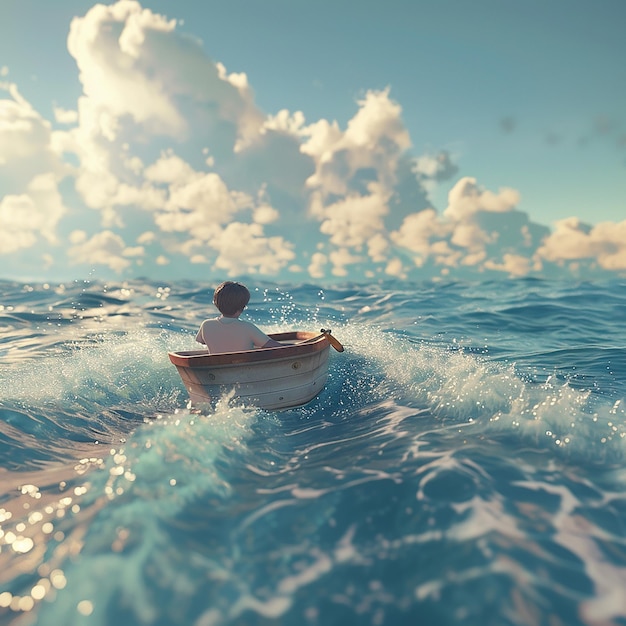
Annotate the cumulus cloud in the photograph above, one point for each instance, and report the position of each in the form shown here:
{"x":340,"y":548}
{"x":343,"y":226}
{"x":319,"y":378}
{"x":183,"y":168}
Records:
{"x":199,"y":205}
{"x":243,"y":249}
{"x":27,"y":218}
{"x":396,"y":268}
{"x":572,"y":240}
{"x":418,"y":231}
{"x":15,"y":222}
{"x":143,"y":83}
{"x":222,"y":227}
{"x":134,"y":63}
{"x":104,"y":248}
{"x":341,"y":259}
{"x":355,"y":219}
{"x":317,"y":266}
{"x":169,"y":151}
{"x":26,"y":142}
{"x":265,"y":214}
{"x":64,"y":116}
{"x":372,"y":144}
{"x":30,"y":171}
{"x":512,"y":264}
{"x":479,"y":229}
{"x":357,"y":174}
{"x":145,"y":238}
{"x":466,"y":199}
{"x":436,"y":168}
{"x":110,"y":48}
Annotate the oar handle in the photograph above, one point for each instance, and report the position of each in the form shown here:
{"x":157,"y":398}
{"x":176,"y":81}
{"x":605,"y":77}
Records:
{"x":332,"y":340}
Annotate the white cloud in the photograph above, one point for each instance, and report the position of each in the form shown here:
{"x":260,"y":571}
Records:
{"x":285,"y":122}
{"x":480,"y":231}
{"x":64,"y":116}
{"x":466,"y":198}
{"x":243,"y":248}
{"x":133,"y":164}
{"x":377,"y":247}
{"x":471,"y":236}
{"x":395,"y":267}
{"x":265,"y":214}
{"x":26,"y":148}
{"x":574,"y":241}
{"x":378,"y":117}
{"x":513,"y":264}
{"x":104,"y":248}
{"x":144,"y":82}
{"x":356,"y":171}
{"x":199,"y":205}
{"x":4,"y":71}
{"x":476,"y":257}
{"x":322,"y":138}
{"x":317,"y":265}
{"x":444,"y":255}
{"x":77,"y":236}
{"x":431,"y":170}
{"x":134,"y":63}
{"x":375,"y":139}
{"x":418,"y":230}
{"x":432,"y":166}
{"x":355,"y":219}
{"x":146,"y":238}
{"x":170,"y":169}
{"x":279,"y":194}
{"x":15,"y":224}
{"x":341,"y":259}
{"x":27,"y":217}
{"x":113,"y":70}
{"x":146,"y":196}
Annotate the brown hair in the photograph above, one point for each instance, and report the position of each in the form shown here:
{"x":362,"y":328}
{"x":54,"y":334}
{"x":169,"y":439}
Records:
{"x":230,"y":297}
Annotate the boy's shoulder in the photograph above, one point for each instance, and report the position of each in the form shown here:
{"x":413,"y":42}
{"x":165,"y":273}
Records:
{"x":246,"y":323}
{"x":210,"y":320}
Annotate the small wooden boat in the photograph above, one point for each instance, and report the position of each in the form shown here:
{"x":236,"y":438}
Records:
{"x":269,"y":378}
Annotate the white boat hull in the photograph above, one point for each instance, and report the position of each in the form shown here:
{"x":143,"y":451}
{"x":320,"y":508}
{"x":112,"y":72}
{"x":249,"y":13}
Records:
{"x":269,"y":378}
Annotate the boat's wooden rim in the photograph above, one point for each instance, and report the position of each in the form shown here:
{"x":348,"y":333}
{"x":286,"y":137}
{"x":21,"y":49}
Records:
{"x":307,"y":343}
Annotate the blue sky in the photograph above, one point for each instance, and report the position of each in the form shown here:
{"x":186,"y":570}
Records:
{"x":312,"y":141}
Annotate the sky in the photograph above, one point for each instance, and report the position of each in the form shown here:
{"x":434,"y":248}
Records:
{"x":312,"y":142}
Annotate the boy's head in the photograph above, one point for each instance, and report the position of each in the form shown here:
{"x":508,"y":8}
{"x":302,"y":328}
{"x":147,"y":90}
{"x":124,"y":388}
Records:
{"x":231,"y":298}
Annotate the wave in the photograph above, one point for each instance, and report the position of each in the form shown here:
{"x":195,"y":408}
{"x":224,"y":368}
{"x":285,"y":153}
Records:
{"x":450,"y":463}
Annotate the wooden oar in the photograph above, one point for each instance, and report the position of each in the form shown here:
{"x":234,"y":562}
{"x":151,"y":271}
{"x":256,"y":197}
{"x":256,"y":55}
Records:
{"x":333,"y":341}
{"x":324,"y":333}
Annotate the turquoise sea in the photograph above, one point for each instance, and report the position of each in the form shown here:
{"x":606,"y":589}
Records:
{"x":465,"y":464}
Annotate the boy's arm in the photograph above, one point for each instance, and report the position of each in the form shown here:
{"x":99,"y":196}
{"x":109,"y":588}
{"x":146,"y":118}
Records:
{"x":199,"y":337}
{"x":272,"y":343}
{"x":260,"y":339}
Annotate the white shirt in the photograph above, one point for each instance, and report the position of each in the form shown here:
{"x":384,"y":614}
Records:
{"x":230,"y":334}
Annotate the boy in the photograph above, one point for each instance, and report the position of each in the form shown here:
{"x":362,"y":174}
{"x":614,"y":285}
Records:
{"x":228,"y":333}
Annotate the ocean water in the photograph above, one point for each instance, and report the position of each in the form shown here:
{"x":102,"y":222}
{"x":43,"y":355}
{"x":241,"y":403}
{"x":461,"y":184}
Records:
{"x":465,"y":463}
